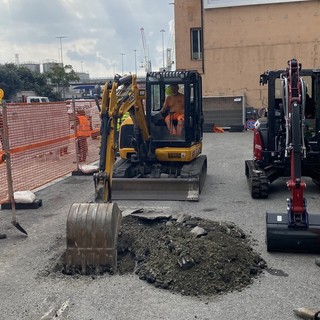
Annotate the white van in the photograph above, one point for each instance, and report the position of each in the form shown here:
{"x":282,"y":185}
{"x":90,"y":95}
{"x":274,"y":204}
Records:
{"x":33,"y":99}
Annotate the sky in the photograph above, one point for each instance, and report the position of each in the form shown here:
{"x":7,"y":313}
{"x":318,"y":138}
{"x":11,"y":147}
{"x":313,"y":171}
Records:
{"x":99,"y":37}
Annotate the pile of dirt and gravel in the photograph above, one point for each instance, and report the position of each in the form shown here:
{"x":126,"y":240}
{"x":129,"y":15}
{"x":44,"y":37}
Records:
{"x":184,"y":254}
{"x":187,"y":255}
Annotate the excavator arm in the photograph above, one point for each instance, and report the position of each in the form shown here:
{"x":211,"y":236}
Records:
{"x":120,"y":96}
{"x":92,"y":228}
{"x":294,"y":103}
{"x":297,"y":230}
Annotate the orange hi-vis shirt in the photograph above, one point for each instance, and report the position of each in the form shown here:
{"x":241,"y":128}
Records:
{"x":83,"y":129}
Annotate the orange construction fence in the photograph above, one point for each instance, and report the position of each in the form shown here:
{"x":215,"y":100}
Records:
{"x":46,"y":141}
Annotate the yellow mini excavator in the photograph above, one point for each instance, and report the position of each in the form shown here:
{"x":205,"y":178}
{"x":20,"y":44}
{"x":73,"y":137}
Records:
{"x":155,"y":163}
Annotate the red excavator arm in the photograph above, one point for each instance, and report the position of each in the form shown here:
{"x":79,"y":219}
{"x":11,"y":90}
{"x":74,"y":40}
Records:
{"x":294,"y":106}
{"x":296,"y":230}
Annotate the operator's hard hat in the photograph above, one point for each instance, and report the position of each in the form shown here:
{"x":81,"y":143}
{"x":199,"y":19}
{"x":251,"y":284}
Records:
{"x":168,"y":91}
{"x":171,"y":87}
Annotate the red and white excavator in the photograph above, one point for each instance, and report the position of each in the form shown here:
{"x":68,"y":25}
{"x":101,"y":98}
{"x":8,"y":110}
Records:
{"x":287,"y":144}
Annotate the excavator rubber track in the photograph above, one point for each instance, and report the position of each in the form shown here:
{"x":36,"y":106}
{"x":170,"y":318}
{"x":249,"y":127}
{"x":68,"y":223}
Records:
{"x":257,"y":180}
{"x":187,"y":186}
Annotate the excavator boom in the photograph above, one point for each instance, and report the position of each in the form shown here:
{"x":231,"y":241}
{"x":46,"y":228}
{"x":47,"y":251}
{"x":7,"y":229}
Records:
{"x":92,"y":229}
{"x":118,"y":98}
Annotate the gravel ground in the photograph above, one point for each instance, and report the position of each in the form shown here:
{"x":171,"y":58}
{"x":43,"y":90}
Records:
{"x":30,"y":291}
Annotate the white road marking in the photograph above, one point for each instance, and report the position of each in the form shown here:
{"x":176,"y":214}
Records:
{"x":47,"y":313}
{"x":57,"y":313}
{"x":63,"y":307}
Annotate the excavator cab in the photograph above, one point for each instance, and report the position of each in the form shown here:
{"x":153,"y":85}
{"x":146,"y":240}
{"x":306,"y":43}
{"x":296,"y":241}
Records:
{"x":156,"y":86}
{"x":157,"y":89}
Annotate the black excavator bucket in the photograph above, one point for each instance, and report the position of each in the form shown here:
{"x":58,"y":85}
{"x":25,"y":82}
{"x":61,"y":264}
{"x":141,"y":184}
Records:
{"x":281,"y":237}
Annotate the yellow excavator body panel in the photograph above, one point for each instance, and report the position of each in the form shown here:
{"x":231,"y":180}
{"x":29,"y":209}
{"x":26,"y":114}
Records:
{"x":176,"y":154}
{"x":169,"y":154}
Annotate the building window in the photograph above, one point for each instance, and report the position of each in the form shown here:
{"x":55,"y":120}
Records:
{"x":196,"y":44}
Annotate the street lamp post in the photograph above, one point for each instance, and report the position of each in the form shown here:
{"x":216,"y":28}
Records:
{"x":61,"y":54}
{"x":162,"y":31}
{"x":135,"y":60}
{"x":122,"y":54}
{"x":60,"y":38}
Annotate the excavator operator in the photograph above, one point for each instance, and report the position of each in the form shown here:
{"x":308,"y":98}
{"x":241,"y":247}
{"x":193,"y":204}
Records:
{"x":174,"y":103}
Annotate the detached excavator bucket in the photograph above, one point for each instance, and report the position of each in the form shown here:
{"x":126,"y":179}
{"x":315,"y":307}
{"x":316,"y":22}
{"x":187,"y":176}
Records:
{"x":281,"y":237}
{"x":92,"y":235}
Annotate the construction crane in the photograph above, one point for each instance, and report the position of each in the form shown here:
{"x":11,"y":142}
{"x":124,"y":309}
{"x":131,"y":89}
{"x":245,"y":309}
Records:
{"x":170,"y":49}
{"x":147,"y":61}
{"x":169,"y":59}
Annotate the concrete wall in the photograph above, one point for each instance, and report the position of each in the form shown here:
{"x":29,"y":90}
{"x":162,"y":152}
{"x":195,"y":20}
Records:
{"x":240,"y":43}
{"x":187,"y":15}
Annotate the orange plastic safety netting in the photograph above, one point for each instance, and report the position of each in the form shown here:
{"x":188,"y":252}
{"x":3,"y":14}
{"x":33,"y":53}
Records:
{"x":43,"y":142}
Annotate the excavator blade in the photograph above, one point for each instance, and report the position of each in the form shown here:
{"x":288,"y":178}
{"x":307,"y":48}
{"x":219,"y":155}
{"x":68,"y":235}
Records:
{"x":185,"y":187}
{"x":156,"y":189}
{"x":92,"y":235}
{"x":282,"y":238}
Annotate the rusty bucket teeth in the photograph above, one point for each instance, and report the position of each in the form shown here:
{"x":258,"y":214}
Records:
{"x":92,"y":235}
{"x":280,"y":237}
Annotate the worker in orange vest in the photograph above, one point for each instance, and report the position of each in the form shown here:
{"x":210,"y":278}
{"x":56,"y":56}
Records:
{"x":83,"y":132}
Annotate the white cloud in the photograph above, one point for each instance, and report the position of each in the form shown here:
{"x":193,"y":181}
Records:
{"x":96,"y":31}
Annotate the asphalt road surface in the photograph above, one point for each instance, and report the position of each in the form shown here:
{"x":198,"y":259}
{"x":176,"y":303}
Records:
{"x":29,"y":291}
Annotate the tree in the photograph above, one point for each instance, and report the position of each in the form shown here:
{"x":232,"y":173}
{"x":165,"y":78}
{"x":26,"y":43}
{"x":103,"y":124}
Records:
{"x":43,"y":88}
{"x":15,"y":78}
{"x":10,"y":81}
{"x":62,"y":76}
{"x":34,"y":81}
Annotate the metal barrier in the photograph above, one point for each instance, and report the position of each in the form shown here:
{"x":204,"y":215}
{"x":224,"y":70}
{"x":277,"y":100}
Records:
{"x":223,"y":111}
{"x":44,"y":144}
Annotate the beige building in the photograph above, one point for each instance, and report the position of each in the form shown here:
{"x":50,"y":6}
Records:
{"x":231,"y":42}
